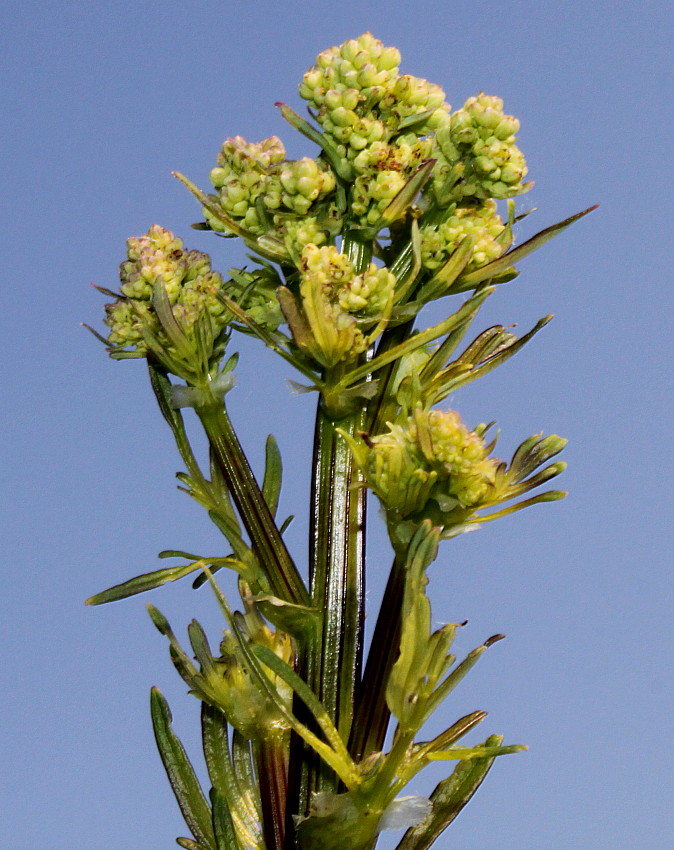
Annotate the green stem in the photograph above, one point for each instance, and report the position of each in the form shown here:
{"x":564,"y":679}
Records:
{"x":284,"y":580}
{"x":337,"y":568}
{"x":272,"y":772}
{"x":371,"y":711}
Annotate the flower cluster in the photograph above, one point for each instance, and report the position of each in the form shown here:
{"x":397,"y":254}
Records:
{"x":377,"y":118}
{"x":482,"y":224}
{"x":429,"y":455}
{"x":361,"y":99}
{"x":262,"y":192}
{"x":226,"y":681}
{"x":192,"y":289}
{"x":340,"y":306}
{"x":430,"y":465}
{"x":477,"y":153}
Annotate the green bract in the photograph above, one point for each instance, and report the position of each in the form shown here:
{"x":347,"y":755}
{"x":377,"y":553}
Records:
{"x":396,"y":205}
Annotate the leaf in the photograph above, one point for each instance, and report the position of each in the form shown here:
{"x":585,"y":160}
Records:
{"x":139,"y":584}
{"x":401,"y":201}
{"x":188,"y":844}
{"x":273,"y":472}
{"x":180,"y":772}
{"x":441,"y":282}
{"x":224,"y":778}
{"x":418,"y":340}
{"x":164,"y":311}
{"x":340,"y":165}
{"x":503,"y":263}
{"x":510,"y":347}
{"x":223,"y":826}
{"x":448,"y":798}
{"x":465,"y":753}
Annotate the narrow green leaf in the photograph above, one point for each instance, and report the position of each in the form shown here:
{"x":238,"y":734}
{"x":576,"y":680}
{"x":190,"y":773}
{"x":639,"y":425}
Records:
{"x":463,"y":753}
{"x":296,"y":322}
{"x":449,"y":798}
{"x":441,"y":282}
{"x":209,"y":203}
{"x":223,"y":826}
{"x":457,"y":674}
{"x":164,"y":311}
{"x":548,"y":496}
{"x":419,"y":339}
{"x":139,"y":584}
{"x":240,"y":799}
{"x":304,"y":692}
{"x":503,"y":263}
{"x":244,"y":771}
{"x":184,"y":782}
{"x":188,"y":844}
{"x":500,"y":356}
{"x":340,"y":165}
{"x":273,"y":474}
{"x":402,"y":201}
{"x":450,"y":736}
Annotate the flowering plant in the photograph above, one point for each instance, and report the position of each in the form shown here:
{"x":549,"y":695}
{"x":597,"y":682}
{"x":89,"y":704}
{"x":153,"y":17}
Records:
{"x":399,"y":208}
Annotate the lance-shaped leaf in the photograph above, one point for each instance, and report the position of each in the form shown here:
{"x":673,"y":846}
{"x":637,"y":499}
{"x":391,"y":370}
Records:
{"x":225,"y":780}
{"x":449,"y":798}
{"x":162,"y":307}
{"x":406,"y":268}
{"x":209,"y":203}
{"x":402,"y":201}
{"x":418,"y":340}
{"x":441,"y":282}
{"x":341,"y":166}
{"x":142,"y":583}
{"x":244,"y":770}
{"x":273,"y":474}
{"x":450,"y":736}
{"x":185,"y":785}
{"x":503,"y":263}
{"x":495,"y":351}
{"x":223,"y":824}
{"x":458,"y":673}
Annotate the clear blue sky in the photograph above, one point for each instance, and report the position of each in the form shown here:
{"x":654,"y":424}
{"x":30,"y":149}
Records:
{"x":100,"y":102}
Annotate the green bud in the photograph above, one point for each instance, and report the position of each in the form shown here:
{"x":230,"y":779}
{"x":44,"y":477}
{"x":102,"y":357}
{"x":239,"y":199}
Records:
{"x":482,"y":140}
{"x":191,"y":290}
{"x":430,"y":457}
{"x":339,"y":304}
{"x":481,"y":223}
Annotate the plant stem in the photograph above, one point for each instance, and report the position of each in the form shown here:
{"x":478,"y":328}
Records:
{"x":371,"y":716}
{"x":337,"y":568}
{"x":285,"y":582}
{"x":272,"y":773}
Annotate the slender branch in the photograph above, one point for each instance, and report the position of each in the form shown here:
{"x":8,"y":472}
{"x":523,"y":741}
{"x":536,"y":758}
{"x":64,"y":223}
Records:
{"x":284,"y":580}
{"x":272,"y":767}
{"x":371,"y":711}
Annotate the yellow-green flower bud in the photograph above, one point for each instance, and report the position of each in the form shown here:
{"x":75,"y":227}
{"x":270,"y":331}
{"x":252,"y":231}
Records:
{"x":481,"y":223}
{"x":395,"y":472}
{"x":456,"y":453}
{"x":304,"y":181}
{"x":338,"y":303}
{"x":299,"y":232}
{"x":190,"y":286}
{"x":430,"y":462}
{"x":481,"y":140}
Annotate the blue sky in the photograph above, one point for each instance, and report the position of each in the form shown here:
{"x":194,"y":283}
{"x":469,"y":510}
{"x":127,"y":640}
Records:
{"x":100,"y":103}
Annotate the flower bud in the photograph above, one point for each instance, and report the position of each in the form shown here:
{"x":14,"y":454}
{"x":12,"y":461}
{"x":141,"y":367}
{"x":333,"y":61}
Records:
{"x":481,"y":223}
{"x":482,"y":140}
